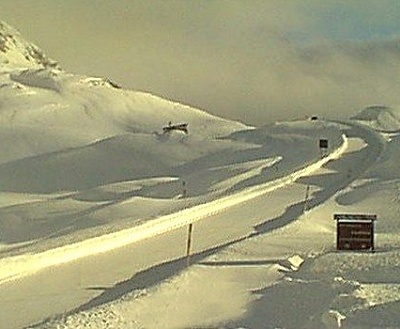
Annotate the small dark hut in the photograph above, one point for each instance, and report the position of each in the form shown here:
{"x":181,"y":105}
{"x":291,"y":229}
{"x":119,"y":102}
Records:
{"x":179,"y":127}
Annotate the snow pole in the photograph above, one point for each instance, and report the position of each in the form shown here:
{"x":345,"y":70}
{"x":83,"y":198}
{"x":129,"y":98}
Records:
{"x":306,"y":198}
{"x":184,"y":191}
{"x":190,"y":228}
{"x":189,"y":243}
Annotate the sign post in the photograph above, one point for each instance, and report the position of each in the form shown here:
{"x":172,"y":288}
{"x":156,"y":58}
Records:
{"x":189,"y":243}
{"x":355,"y":231}
{"x":323,"y":146}
{"x":306,"y":198}
{"x":190,"y":228}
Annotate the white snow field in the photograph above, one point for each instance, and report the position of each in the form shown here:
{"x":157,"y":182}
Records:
{"x":96,"y":199}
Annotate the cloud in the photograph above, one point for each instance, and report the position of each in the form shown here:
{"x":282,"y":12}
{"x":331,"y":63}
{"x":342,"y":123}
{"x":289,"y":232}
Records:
{"x":257,"y":61}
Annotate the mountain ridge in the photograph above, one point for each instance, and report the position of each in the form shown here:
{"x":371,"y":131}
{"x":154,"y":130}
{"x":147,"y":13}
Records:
{"x":15,"y":51}
{"x":380,"y":117}
{"x":46,"y":109}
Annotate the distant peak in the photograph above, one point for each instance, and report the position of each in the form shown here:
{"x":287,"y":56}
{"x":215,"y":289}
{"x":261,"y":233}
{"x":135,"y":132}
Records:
{"x":15,"y":51}
{"x":380,"y":117}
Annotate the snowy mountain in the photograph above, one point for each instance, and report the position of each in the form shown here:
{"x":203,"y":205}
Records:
{"x":45,"y":110}
{"x":380,"y":117}
{"x":16,"y":52}
{"x":98,"y":186}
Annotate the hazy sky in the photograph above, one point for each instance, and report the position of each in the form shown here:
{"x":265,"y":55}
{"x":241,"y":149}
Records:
{"x":253,"y":60}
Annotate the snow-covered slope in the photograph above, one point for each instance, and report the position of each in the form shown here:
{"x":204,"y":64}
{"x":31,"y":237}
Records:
{"x":51,"y":109}
{"x":380,"y":117}
{"x":56,"y":110}
{"x":16,"y":52}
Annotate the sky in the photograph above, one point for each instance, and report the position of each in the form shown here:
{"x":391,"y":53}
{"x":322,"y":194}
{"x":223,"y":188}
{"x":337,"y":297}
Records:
{"x":247,"y":60}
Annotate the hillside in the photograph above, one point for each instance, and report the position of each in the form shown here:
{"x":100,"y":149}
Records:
{"x":380,"y":117}
{"x":17,"y":52}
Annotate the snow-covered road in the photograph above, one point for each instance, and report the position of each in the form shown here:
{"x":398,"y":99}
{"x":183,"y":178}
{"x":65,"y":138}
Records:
{"x":18,"y":272}
{"x":13,"y":268}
